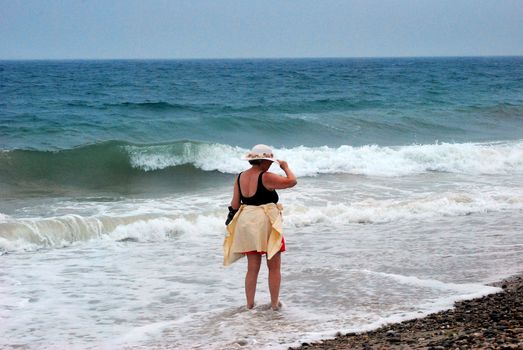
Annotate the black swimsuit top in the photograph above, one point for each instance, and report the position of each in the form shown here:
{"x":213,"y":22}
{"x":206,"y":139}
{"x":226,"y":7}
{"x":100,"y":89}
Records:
{"x":262,"y":195}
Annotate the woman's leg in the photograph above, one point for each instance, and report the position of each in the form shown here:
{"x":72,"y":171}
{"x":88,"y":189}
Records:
{"x":274,"y":280}
{"x":251,"y":278}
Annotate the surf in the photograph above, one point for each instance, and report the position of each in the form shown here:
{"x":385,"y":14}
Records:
{"x":117,"y":163}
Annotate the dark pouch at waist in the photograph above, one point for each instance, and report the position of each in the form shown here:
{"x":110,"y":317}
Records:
{"x":230,"y":216}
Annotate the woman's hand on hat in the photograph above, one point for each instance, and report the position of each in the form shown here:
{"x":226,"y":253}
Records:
{"x":280,"y":182}
{"x":283,"y":164}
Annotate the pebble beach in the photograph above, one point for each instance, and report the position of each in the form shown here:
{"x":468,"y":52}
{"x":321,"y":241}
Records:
{"x":494,"y":321}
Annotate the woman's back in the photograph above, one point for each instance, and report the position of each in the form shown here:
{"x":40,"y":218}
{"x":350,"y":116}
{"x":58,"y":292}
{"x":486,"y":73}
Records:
{"x":252,"y":190}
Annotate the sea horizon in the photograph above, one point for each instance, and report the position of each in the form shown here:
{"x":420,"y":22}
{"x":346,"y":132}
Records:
{"x":260,"y":58}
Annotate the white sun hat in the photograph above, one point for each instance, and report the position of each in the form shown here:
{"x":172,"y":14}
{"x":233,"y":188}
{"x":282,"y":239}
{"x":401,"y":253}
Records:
{"x":260,"y":152}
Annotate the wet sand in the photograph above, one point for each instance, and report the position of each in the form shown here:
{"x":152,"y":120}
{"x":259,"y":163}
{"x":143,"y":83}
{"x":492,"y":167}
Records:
{"x":491,"y":322}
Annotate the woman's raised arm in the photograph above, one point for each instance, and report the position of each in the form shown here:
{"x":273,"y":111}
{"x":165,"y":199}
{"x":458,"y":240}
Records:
{"x":273,"y":181}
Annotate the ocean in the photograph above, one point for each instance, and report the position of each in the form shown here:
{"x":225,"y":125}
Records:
{"x":115,"y":177}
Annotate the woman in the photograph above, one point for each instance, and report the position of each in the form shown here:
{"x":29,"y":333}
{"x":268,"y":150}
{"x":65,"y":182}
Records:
{"x":256,"y":228}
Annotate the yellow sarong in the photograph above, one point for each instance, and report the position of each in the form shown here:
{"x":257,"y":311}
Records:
{"x":254,"y":228}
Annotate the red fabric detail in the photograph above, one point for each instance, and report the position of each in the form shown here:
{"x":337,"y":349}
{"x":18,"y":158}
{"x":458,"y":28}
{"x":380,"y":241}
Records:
{"x":263,"y":253}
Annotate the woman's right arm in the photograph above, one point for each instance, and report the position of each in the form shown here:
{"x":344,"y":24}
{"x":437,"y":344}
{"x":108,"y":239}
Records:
{"x":235,"y":202}
{"x":274,"y":181}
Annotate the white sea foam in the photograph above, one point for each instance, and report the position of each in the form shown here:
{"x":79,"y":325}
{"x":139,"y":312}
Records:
{"x":371,"y":160}
{"x":421,"y":206}
{"x":162,"y":228}
{"x":56,"y":232}
{"x":153,"y":221}
{"x":172,"y":292}
{"x":465,"y":289}
{"x":138,"y":334}
{"x":3,"y":217}
{"x":208,"y":157}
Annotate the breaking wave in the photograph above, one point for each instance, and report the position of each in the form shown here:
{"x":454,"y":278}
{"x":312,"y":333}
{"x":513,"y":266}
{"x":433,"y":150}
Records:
{"x":159,"y":223}
{"x":119,"y":163}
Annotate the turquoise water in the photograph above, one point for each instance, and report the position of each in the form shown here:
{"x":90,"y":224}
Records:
{"x":115,"y":177}
{"x":50,"y":105}
{"x":77,"y":122}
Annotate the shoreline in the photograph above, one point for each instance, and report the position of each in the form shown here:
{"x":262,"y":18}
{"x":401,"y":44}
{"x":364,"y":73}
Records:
{"x":494,"y":321}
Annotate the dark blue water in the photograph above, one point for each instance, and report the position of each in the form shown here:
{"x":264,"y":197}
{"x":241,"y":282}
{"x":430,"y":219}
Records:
{"x":130,"y":125}
{"x":49,"y":105}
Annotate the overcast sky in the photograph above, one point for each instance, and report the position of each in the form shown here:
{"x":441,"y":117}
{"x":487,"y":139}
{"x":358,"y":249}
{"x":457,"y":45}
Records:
{"x":40,"y":29}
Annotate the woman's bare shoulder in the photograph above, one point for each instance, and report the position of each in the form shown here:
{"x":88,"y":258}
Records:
{"x":275,"y":181}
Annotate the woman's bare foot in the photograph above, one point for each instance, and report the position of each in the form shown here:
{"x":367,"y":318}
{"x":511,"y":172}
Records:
{"x":277,"y":306}
{"x":249,"y":306}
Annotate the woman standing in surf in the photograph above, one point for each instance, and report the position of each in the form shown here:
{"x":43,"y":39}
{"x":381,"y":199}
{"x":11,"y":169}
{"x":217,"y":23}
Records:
{"x":256,"y":227}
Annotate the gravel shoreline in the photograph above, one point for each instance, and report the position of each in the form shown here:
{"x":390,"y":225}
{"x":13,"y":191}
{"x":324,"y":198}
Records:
{"x":491,"y":322}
